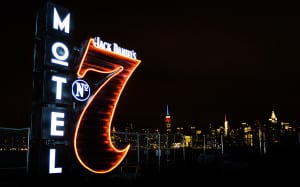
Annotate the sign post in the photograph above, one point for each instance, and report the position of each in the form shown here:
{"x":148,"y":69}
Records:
{"x":52,"y":110}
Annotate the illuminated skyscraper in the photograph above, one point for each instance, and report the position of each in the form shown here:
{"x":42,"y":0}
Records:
{"x":226,"y":127}
{"x":274,"y":128}
{"x":168,"y":120}
{"x":273,"y":118}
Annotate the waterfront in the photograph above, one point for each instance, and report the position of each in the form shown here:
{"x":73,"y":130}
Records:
{"x":244,"y":165}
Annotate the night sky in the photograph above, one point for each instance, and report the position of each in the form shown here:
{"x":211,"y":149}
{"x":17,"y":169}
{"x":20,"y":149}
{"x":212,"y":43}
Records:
{"x":204,"y":60}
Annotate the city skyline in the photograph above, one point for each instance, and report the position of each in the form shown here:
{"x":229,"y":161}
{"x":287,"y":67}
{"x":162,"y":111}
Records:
{"x":203,"y":61}
{"x":187,"y":125}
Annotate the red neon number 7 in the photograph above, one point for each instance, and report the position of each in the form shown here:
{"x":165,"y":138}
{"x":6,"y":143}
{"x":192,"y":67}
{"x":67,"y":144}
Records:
{"x":92,"y":141}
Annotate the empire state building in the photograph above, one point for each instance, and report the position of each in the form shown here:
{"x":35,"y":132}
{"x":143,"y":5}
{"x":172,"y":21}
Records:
{"x":168,"y":121}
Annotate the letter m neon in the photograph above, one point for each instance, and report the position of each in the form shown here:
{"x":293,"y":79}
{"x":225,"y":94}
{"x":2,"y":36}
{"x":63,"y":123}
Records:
{"x":61,"y":25}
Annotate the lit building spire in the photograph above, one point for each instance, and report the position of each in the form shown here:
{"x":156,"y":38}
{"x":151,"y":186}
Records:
{"x":168,"y":120}
{"x":226,"y":127}
{"x":167,"y":113}
{"x":273,"y":117}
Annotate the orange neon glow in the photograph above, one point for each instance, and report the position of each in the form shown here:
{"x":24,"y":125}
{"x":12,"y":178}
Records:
{"x":92,"y":141}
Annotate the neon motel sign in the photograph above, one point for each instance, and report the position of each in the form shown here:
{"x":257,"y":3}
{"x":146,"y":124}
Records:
{"x":69,"y":80}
